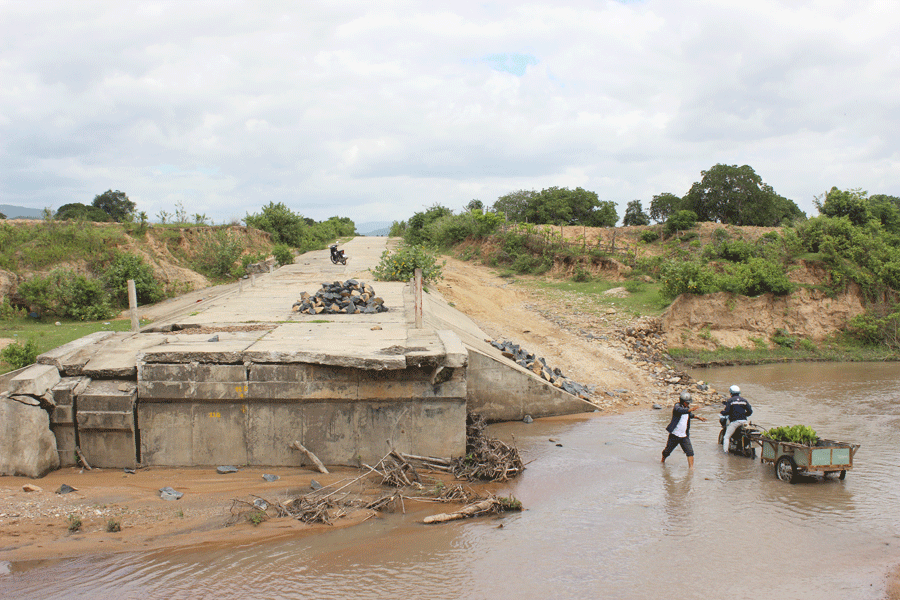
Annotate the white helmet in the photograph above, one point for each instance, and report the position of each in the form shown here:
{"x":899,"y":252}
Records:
{"x":685,"y":396}
{"x":735,"y":390}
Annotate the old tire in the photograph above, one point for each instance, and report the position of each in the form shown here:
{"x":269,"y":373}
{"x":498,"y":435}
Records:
{"x":843,"y":474}
{"x":786,"y":469}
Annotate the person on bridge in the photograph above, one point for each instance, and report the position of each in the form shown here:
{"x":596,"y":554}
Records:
{"x":736,"y":410}
{"x":680,"y":428}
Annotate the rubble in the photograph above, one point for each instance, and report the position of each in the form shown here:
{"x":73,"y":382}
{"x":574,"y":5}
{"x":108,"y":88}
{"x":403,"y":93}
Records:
{"x":349,"y":297}
{"x":540,"y":368}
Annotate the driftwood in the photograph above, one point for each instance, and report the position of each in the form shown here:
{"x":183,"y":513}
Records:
{"x":486,"y":459}
{"x":312,"y":457}
{"x":83,"y":460}
{"x":489,"y":506}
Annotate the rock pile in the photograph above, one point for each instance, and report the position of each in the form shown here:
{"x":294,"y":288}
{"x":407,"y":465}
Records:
{"x":349,"y":297}
{"x":539,"y":366}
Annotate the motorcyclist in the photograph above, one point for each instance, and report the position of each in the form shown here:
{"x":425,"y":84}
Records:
{"x":736,"y":410}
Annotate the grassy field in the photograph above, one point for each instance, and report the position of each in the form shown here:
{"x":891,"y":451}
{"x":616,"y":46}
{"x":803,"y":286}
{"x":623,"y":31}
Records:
{"x":47,"y":335}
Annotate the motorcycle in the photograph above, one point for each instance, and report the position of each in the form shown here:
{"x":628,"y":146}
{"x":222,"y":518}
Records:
{"x":742,"y":440}
{"x":337,"y":256}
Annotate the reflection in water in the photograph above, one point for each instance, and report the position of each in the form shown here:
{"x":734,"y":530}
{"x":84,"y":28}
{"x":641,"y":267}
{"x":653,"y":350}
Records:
{"x":603,"y":519}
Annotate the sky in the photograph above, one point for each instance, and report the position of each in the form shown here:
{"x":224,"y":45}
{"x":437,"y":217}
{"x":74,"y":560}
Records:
{"x":378,"y":110}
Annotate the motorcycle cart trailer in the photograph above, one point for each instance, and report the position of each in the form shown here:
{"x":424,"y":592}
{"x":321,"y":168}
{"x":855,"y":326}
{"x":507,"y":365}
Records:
{"x":794,"y":460}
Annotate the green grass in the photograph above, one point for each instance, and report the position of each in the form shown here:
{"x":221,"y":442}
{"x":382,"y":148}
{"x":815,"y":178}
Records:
{"x":47,"y":335}
{"x":643,"y":298}
{"x":836,"y":349}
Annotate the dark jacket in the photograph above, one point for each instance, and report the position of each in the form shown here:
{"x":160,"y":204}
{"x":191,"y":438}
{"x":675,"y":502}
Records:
{"x":737,"y":409}
{"x":678,"y":411}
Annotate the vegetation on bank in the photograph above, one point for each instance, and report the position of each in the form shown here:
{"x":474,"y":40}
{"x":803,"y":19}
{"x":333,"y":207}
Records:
{"x":854,"y":239}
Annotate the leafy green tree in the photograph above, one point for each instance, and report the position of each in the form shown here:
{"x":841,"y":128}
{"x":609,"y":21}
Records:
{"x":664,"y":205}
{"x":562,"y":206}
{"x":2,"y":216}
{"x":127,"y":266}
{"x":738,"y":196}
{"x":76,"y":211}
{"x":116,"y":204}
{"x":680,"y":221}
{"x":635,"y":215}
{"x":475,"y":205}
{"x":514,"y":205}
{"x":852,"y":204}
{"x":416,"y":230}
{"x":285,"y":226}
{"x":887,"y":210}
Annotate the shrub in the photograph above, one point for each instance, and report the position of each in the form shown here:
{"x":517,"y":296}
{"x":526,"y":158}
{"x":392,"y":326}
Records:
{"x":74,"y":522}
{"x":401,"y":264}
{"x":219,"y":252}
{"x":756,"y":276}
{"x":18,"y":355}
{"x":680,"y":221}
{"x":113,"y":526}
{"x":649,"y":236}
{"x":127,"y":266}
{"x":683,"y":277}
{"x":283,"y":254}
{"x":65,"y":293}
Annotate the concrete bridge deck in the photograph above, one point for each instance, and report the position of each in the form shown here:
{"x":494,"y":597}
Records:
{"x":232,"y":375}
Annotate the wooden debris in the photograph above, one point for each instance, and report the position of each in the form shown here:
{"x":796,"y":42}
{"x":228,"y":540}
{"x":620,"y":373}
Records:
{"x":486,"y":459}
{"x":491,"y":505}
{"x":312,"y":457}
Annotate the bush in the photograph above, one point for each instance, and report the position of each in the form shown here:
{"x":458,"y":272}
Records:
{"x":756,"y":276}
{"x":219,"y":252}
{"x":686,"y":277}
{"x":127,"y":266}
{"x":17,"y":355}
{"x":65,"y":293}
{"x":680,"y":221}
{"x":649,"y":236}
{"x":401,"y":264}
{"x":283,"y":254}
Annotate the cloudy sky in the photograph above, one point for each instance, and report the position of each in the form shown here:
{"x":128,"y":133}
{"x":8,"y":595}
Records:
{"x":376,"y":110}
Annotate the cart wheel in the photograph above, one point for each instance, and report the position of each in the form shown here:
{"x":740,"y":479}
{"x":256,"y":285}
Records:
{"x":842,"y":475}
{"x":786,"y":469}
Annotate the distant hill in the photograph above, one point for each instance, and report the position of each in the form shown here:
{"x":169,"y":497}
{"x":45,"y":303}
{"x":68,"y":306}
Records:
{"x":374,"y":228}
{"x":20,"y":212}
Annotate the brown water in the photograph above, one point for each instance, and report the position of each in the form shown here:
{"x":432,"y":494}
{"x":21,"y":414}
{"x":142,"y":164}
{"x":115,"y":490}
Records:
{"x":604,"y":519}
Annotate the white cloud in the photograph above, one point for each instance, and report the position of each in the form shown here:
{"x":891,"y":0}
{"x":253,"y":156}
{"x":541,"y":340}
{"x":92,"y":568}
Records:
{"x":375,"y":111}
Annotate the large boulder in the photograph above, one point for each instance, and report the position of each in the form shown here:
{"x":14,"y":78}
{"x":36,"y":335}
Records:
{"x":27,"y":446}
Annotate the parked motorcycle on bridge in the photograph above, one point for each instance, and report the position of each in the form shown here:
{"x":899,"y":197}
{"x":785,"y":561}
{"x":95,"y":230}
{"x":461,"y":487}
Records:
{"x":337,"y":256}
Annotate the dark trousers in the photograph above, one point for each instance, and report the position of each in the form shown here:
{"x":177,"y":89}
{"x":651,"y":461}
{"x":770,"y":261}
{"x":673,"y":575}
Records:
{"x":674,"y":440}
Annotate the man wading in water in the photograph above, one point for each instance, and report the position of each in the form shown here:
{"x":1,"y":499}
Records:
{"x":680,"y":429}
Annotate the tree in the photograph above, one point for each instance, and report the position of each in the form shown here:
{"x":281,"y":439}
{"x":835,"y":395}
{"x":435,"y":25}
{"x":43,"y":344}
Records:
{"x":416,"y":231}
{"x":2,"y":216}
{"x":604,"y":215}
{"x":116,"y":204}
{"x":76,"y":211}
{"x":635,"y":215}
{"x":664,"y":205}
{"x":738,"y":196}
{"x":475,"y":205}
{"x":514,"y":204}
{"x":285,"y":226}
{"x":887,"y":210}
{"x":852,"y":204}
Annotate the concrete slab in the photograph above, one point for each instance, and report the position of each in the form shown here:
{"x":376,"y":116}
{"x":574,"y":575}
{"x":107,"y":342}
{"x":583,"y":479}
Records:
{"x":35,"y":380}
{"x":228,"y":347}
{"x":63,"y":357}
{"x":346,"y":345}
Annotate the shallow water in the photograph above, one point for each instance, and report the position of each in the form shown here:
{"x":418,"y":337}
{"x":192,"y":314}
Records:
{"x":604,"y":519}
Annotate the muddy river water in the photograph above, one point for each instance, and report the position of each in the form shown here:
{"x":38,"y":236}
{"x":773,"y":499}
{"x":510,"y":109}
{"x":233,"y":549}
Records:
{"x":604,"y":519}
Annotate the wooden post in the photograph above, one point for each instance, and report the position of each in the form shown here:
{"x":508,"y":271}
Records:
{"x":132,"y":304}
{"x":418,"y":298}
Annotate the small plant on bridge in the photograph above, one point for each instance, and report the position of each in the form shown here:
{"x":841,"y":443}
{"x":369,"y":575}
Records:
{"x":401,"y":264}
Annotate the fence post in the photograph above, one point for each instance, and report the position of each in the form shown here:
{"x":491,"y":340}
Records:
{"x":132,"y":304}
{"x":418,"y":298}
